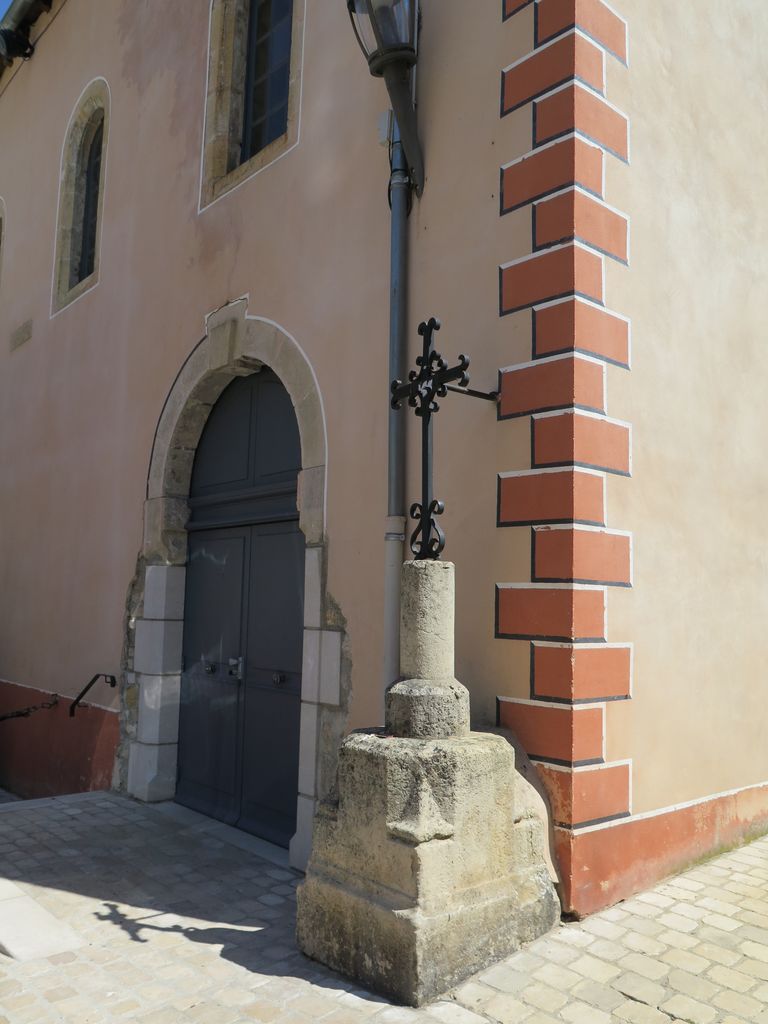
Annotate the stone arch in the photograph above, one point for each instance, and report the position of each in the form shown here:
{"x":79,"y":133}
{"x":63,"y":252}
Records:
{"x":91,"y":113}
{"x":235,"y":344}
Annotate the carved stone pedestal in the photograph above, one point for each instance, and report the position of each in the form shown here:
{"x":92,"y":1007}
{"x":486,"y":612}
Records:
{"x":420,"y":873}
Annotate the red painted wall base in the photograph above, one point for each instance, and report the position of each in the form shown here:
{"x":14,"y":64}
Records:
{"x":603,"y":866}
{"x":49,"y":753}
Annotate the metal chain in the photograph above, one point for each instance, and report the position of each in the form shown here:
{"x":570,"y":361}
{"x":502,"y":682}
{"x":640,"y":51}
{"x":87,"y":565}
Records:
{"x":26,"y":712}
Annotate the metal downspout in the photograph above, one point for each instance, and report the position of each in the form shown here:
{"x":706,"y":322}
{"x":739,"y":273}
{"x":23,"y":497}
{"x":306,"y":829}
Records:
{"x":400,"y":199}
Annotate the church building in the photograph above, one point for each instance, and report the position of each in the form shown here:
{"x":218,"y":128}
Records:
{"x":196,"y":300}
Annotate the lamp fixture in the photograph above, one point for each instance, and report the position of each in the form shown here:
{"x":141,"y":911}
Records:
{"x":14,"y":44}
{"x":387,"y":32}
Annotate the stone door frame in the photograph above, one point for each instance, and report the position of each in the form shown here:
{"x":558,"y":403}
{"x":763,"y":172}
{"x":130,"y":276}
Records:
{"x":235,"y":344}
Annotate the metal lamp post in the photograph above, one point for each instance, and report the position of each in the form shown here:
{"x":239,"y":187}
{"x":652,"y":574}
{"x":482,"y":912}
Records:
{"x":387,"y":31}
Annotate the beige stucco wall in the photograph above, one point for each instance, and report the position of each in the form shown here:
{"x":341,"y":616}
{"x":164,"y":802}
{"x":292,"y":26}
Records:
{"x":696,"y":93}
{"x":307,"y":241}
{"x":85,"y":393}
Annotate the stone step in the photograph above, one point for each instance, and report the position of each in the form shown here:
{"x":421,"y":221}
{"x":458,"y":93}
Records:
{"x":27,"y":930}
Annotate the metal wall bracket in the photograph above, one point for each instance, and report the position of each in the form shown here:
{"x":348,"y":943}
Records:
{"x":99,"y":675}
{"x":488,"y":396}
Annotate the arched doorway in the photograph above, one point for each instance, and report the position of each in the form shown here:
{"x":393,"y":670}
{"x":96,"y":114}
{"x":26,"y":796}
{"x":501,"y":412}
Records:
{"x":240,"y":699}
{"x":236,"y":345}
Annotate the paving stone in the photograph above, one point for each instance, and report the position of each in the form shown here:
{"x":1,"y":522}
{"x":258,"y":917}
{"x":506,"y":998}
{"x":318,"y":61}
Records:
{"x":503,"y":977}
{"x":676,"y":922}
{"x":737,"y":1002}
{"x":755,"y":968}
{"x":603,"y":929}
{"x":647,"y":926}
{"x":400,"y":1015}
{"x":572,"y":935}
{"x":581,"y":1013}
{"x":639,"y":1013}
{"x":597,"y":970}
{"x":554,"y":952}
{"x":641,"y":989}
{"x":640,"y":943}
{"x":608,"y":949}
{"x":451,"y":1013}
{"x":692,"y":910}
{"x":615,"y":914}
{"x":728,"y":978}
{"x":646,"y":966}
{"x":542,"y":997}
{"x":557,"y":976}
{"x":687,"y":1009}
{"x":178,"y":924}
{"x":755,"y":950}
{"x":656,"y":899}
{"x":686,"y":961}
{"x":720,"y":921}
{"x":693,"y":985}
{"x":504,"y":1009}
{"x":601,"y":996}
{"x":473,"y":994}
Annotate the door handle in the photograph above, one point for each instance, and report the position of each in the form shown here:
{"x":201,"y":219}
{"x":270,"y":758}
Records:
{"x":209,"y":667}
{"x":236,"y":667}
{"x":278,"y":678}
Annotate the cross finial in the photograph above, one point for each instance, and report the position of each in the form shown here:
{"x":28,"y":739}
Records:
{"x":423,"y":387}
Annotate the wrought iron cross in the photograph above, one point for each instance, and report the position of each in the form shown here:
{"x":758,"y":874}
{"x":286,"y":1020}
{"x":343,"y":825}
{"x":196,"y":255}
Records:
{"x":424,"y":385}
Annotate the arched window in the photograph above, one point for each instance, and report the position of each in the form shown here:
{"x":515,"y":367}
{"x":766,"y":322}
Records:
{"x":81,"y":195}
{"x":83,"y":256}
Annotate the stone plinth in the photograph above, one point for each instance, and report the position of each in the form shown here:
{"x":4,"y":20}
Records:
{"x":421,"y":872}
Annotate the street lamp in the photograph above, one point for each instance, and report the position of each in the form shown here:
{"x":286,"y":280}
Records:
{"x":387,"y":32}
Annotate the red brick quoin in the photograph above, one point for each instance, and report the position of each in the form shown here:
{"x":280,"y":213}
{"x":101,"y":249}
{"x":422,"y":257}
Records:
{"x":559,"y":711}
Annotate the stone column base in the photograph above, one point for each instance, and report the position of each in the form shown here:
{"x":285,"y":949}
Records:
{"x":420,"y":875}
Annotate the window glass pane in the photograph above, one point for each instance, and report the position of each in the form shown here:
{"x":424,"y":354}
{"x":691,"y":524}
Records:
{"x":276,"y":124}
{"x":280,"y":48}
{"x":265,"y":114}
{"x":263,"y":17}
{"x":84,"y":263}
{"x":278,"y":87}
{"x":281,"y":9}
{"x":257,"y":136}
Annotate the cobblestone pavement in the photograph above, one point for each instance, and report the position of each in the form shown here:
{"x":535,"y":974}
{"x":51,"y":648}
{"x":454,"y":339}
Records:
{"x":7,"y":798}
{"x":184,"y":920}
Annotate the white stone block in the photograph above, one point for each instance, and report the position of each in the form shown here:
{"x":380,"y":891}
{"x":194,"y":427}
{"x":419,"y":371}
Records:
{"x":301,"y":844}
{"x":308,"y":749}
{"x":164,"y":592}
{"x":159,"y":709}
{"x":313,"y":582}
{"x":310,"y":666}
{"x":158,"y":647}
{"x":152,"y":771}
{"x":330,"y":668}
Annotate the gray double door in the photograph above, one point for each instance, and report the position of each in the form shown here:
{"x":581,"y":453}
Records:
{"x":243,"y":617}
